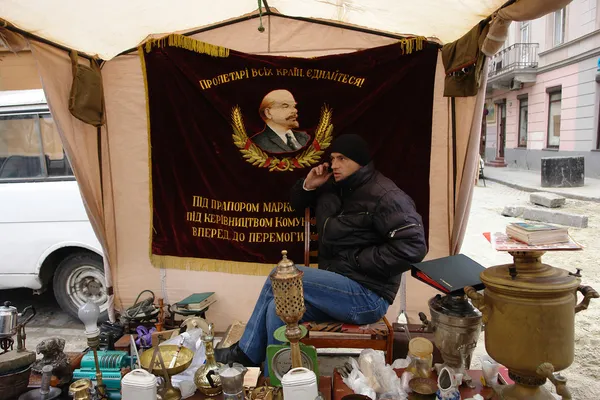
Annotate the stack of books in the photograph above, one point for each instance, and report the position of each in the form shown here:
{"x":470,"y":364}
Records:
{"x":197,"y":301}
{"x":537,"y":234}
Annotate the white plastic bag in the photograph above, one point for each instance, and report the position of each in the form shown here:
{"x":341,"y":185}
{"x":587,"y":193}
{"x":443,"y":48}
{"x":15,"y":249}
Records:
{"x":401,"y":363}
{"x":370,"y":362}
{"x":192,"y":339}
{"x":381,"y":377}
{"x":490,"y":370}
{"x":357,"y":381}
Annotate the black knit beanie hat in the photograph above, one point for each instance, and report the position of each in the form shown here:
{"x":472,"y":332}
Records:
{"x":353,"y":147}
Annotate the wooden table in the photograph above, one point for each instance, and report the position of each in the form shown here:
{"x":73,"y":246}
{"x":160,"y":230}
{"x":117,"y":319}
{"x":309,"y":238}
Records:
{"x":324,"y":388}
{"x":340,"y":389}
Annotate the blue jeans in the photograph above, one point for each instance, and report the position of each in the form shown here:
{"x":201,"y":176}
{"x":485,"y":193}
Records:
{"x":327,"y":296}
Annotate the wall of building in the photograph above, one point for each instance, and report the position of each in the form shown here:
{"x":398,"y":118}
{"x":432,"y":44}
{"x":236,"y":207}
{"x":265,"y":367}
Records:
{"x":572,"y":66}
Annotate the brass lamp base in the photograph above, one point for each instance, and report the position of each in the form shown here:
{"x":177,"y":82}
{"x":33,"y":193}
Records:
{"x":171,"y":393}
{"x":522,"y":392}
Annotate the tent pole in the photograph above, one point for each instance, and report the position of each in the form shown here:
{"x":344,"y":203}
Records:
{"x":271,"y":13}
{"x":348,"y":27}
{"x":266,"y":6}
{"x":11,"y":27}
{"x":205,"y":29}
{"x":453,"y":112}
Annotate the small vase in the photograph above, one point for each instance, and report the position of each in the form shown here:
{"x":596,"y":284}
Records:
{"x":447,"y":385}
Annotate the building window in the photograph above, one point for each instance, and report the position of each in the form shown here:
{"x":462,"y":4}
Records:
{"x":523,"y":118}
{"x":559,"y":26}
{"x":30,"y":148}
{"x":554,"y":119}
{"x":525,"y":32}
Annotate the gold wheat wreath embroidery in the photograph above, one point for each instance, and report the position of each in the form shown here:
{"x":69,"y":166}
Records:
{"x":257,"y":157}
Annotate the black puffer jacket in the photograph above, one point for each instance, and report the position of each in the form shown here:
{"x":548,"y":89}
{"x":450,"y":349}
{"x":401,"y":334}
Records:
{"x":369,"y":229}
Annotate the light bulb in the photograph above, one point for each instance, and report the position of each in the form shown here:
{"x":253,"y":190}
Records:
{"x":88,"y":314}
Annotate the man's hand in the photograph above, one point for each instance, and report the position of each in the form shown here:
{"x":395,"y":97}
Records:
{"x":317,"y":176}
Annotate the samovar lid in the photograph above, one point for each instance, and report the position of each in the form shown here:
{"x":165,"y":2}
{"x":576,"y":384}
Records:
{"x":457,"y":306}
{"x":529,"y":275}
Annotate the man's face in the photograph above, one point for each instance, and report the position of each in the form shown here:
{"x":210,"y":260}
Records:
{"x":342,"y":166}
{"x":283,"y":111}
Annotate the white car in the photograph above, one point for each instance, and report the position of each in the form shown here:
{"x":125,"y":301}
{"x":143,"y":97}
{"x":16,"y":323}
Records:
{"x":45,"y":235}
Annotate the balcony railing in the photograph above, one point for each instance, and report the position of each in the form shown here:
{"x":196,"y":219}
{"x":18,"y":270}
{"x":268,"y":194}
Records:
{"x":519,"y":56}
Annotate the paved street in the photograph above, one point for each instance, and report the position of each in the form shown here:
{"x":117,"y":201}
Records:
{"x":49,"y":320}
{"x":485,"y":216}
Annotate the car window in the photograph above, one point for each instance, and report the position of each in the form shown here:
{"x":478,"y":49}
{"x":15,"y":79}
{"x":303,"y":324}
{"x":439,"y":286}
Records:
{"x":20,"y":147}
{"x":30,"y":148}
{"x":54,"y":154}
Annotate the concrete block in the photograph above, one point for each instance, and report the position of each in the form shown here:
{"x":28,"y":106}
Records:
{"x":563,"y":171}
{"x":512,"y":211}
{"x":556,"y":217}
{"x":545,"y":199}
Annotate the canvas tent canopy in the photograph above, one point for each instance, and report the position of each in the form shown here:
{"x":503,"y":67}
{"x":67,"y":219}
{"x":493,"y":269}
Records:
{"x":111,"y":163}
{"x":117,"y":26}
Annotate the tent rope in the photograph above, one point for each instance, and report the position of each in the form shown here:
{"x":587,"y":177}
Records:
{"x":261,"y":28}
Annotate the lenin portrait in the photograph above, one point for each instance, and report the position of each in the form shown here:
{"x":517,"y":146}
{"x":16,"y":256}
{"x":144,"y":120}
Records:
{"x":280,"y":135}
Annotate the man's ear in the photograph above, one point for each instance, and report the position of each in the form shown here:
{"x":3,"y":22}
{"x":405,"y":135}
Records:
{"x":267,"y":112}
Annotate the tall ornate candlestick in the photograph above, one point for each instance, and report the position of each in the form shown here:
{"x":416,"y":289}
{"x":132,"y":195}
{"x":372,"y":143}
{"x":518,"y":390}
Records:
{"x":286,"y":281}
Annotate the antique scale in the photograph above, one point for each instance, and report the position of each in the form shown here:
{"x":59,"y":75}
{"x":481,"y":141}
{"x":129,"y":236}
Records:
{"x":286,"y":281}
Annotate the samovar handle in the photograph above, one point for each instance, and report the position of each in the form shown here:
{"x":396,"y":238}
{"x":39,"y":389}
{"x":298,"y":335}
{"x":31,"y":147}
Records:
{"x":588,"y":294}
{"x":479,"y":302}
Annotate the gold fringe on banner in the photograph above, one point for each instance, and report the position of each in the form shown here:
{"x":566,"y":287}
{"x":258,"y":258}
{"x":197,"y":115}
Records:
{"x":184,"y":42}
{"x":412,"y":44}
{"x":210,"y":265}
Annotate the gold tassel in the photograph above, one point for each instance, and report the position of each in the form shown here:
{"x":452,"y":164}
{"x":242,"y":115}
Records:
{"x":410,"y":45}
{"x":184,"y":42}
{"x":204,"y":264}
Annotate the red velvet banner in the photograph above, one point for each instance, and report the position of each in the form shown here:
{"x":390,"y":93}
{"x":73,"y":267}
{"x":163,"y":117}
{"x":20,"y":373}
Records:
{"x":221,"y":160}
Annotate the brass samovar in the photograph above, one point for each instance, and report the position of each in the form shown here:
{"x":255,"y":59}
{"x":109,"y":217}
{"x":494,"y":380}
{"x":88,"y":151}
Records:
{"x":529,"y":316}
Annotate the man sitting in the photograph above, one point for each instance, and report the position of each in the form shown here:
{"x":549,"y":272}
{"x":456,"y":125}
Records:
{"x":369,"y":233}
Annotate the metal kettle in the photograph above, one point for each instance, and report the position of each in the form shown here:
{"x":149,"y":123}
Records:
{"x":232,"y":380}
{"x":11,"y":326}
{"x":8,"y":320}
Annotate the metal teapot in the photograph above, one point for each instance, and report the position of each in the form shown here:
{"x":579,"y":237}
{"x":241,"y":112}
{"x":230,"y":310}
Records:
{"x":232,"y":380}
{"x":9,"y":317}
{"x":8,"y":320}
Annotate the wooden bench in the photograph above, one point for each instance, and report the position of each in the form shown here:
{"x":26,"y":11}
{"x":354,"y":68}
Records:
{"x":335,"y":334}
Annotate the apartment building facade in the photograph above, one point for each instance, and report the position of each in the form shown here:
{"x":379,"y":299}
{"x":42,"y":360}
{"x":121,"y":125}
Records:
{"x":543,"y":91}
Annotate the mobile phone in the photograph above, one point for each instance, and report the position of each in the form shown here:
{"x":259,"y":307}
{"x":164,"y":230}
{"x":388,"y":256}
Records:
{"x":329,"y":169}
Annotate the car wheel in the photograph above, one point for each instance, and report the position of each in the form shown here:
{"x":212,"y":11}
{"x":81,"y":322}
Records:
{"x":78,"y":278}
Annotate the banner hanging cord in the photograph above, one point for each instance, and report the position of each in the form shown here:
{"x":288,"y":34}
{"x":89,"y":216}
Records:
{"x":261,"y":28}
